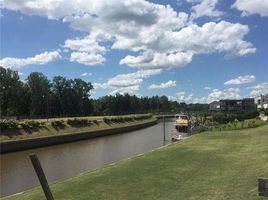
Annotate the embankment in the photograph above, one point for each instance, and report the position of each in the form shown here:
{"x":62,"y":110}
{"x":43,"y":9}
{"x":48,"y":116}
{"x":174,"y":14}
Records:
{"x":30,"y":143}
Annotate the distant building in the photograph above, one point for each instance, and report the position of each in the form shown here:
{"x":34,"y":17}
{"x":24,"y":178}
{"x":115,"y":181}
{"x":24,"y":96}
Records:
{"x":214,"y":106}
{"x":262,"y":101}
{"x":233,"y":105}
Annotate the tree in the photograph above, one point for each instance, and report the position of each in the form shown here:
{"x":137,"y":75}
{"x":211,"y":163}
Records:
{"x":13,"y":93}
{"x":39,"y":92}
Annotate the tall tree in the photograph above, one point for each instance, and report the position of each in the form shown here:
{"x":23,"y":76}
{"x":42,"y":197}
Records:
{"x":12,"y":93}
{"x":40,"y":92}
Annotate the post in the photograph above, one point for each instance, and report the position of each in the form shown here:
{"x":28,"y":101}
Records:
{"x":263,"y":187}
{"x":41,"y":176}
{"x":164,"y":129}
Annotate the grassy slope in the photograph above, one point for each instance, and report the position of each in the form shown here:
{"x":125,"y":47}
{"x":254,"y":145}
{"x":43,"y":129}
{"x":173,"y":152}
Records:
{"x":49,"y":130}
{"x":211,"y":165}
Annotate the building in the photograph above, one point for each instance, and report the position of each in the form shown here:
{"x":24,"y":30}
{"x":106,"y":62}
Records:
{"x":214,"y":106}
{"x":248,"y":104}
{"x":262,"y":101}
{"x":233,"y":105}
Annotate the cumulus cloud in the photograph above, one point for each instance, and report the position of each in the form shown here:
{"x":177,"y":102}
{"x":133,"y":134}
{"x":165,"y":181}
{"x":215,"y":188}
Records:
{"x":252,"y":7}
{"x":172,"y":98}
{"x":40,"y":59}
{"x":127,"y":83}
{"x":184,"y":97}
{"x":86,"y":74}
{"x":241,"y":80}
{"x":230,"y":93}
{"x":87,"y":58}
{"x":206,"y":8}
{"x":163,"y":85}
{"x":87,"y":44}
{"x":163,"y":37}
{"x":207,"y":88}
{"x":158,"y":60}
{"x":261,"y":88}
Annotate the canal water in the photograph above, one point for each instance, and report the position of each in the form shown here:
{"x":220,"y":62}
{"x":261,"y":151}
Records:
{"x":65,"y":160}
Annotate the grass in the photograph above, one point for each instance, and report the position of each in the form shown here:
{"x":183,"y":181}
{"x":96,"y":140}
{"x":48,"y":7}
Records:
{"x":208,"y":166}
{"x":251,"y":123}
{"x":60,"y":126}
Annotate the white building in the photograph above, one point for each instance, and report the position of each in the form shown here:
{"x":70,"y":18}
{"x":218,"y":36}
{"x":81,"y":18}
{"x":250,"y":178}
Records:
{"x":262,"y":101}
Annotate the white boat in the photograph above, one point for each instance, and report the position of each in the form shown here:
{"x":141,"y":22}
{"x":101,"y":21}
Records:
{"x":181,"y":122}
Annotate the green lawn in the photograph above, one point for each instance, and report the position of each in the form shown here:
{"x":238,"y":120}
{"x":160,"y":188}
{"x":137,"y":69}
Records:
{"x":211,"y":165}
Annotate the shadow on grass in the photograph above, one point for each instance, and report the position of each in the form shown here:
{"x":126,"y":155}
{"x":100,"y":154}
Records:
{"x":20,"y":131}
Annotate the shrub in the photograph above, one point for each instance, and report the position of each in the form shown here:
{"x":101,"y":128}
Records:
{"x":58,"y":123}
{"x":31,"y":124}
{"x":7,"y":124}
{"x":107,"y":120}
{"x":78,"y":122}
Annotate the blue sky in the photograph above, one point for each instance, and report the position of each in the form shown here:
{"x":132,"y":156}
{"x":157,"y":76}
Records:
{"x":188,"y":50}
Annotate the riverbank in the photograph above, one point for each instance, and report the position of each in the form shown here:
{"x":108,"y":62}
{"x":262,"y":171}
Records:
{"x":210,"y":165}
{"x":74,"y":130}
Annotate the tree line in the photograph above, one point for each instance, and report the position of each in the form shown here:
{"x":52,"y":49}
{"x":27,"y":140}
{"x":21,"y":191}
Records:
{"x":39,"y":97}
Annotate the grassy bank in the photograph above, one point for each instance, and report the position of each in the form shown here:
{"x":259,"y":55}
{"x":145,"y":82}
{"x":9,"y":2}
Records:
{"x":27,"y":129}
{"x":211,"y":165}
{"x":239,"y":125}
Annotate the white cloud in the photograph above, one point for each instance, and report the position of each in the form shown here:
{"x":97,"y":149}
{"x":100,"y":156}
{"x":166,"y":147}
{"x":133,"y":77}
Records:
{"x":180,"y":93}
{"x":87,"y":44}
{"x":183,"y":97}
{"x":163,"y":85}
{"x":87,"y":58}
{"x":40,"y":59}
{"x":261,"y":88}
{"x":230,"y":93}
{"x":252,"y":7}
{"x":163,"y":37}
{"x":241,"y":80}
{"x":206,"y":8}
{"x":200,"y":100}
{"x":127,"y":83}
{"x":86,"y":74}
{"x":207,"y":88}
{"x":154,"y":60}
{"x":172,"y":98}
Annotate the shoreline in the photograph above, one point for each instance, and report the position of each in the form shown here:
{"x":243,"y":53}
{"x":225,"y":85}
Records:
{"x":31,"y":143}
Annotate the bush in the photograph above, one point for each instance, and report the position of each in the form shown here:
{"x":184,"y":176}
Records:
{"x":31,"y":124}
{"x":78,"y":122}
{"x":247,"y":115}
{"x":7,"y":124}
{"x":58,"y":123}
{"x":107,"y":120}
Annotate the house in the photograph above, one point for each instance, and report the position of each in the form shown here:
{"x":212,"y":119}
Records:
{"x":249,"y":104}
{"x":214,"y":106}
{"x":233,"y":105}
{"x":262,"y":101}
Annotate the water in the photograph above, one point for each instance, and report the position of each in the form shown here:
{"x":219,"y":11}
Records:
{"x":65,"y":160}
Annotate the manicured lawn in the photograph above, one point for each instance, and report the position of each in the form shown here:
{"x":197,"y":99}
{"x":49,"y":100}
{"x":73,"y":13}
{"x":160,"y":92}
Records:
{"x":211,"y":165}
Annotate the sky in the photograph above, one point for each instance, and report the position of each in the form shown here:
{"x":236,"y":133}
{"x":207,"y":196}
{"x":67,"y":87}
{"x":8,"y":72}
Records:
{"x":193,"y":51}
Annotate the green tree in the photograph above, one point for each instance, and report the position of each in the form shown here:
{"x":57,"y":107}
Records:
{"x":13,"y":93}
{"x":39,"y":93}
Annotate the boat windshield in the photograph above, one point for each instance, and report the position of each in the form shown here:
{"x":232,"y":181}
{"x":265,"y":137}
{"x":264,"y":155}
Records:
{"x":181,"y":117}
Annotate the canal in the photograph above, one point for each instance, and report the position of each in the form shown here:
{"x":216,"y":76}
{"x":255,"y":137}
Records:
{"x":65,"y":160}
